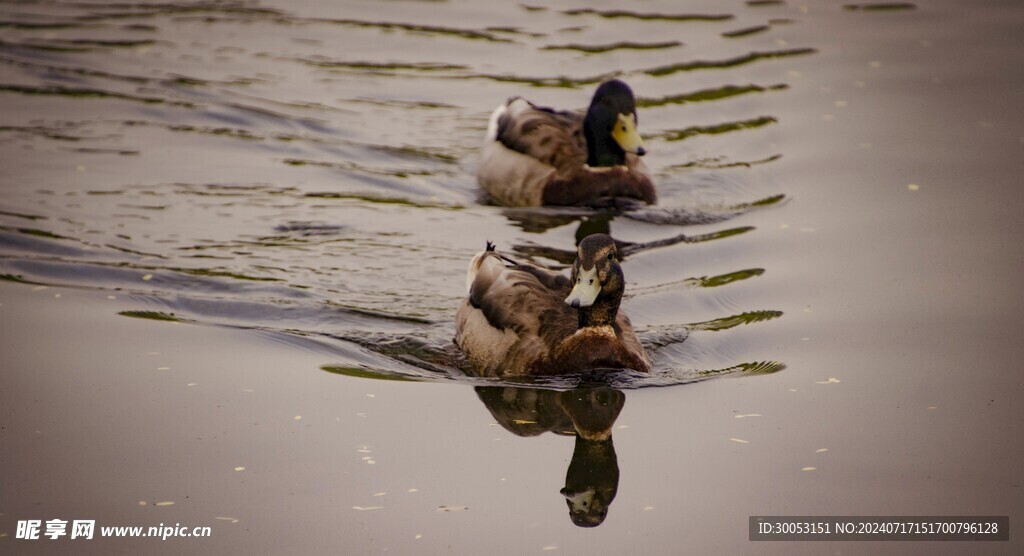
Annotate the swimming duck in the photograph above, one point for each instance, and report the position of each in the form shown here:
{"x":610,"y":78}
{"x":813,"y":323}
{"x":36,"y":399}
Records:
{"x":519,"y":319}
{"x":535,"y":156}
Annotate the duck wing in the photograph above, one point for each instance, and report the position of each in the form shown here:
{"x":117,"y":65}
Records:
{"x":554,"y":137}
{"x":517,"y":296}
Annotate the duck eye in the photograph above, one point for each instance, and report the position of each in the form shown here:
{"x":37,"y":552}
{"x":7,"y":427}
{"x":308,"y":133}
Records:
{"x":591,"y":281}
{"x":611,"y":256}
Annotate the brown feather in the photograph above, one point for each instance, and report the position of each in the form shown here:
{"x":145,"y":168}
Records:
{"x":552,"y":137}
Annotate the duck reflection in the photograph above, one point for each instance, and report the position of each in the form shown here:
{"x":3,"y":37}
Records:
{"x":538,"y":221}
{"x":588,"y":414}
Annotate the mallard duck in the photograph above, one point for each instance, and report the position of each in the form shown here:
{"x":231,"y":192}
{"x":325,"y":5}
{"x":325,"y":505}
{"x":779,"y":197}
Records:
{"x":535,"y":156}
{"x":589,"y":414}
{"x":519,"y":319}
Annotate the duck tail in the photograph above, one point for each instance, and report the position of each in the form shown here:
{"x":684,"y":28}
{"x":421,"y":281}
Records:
{"x":476,"y":263}
{"x":494,"y":122}
{"x":492,"y":249}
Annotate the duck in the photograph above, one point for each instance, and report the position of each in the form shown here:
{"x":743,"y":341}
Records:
{"x":519,"y":319}
{"x":535,"y":156}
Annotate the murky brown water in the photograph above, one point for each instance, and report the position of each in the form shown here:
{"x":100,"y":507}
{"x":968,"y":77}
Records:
{"x":293,"y":184}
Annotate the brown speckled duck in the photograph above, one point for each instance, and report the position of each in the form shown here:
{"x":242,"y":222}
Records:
{"x":535,"y":156}
{"x":519,"y":319}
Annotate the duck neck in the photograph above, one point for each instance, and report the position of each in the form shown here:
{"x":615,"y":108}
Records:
{"x":601,"y":313}
{"x":602,"y":149}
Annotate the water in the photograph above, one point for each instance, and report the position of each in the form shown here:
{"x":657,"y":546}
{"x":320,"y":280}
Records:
{"x":836,"y":231}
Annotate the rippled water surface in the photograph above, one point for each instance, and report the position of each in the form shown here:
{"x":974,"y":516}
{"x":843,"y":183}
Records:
{"x":293,"y":182}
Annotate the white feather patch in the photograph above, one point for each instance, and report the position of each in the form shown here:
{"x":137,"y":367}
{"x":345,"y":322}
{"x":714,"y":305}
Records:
{"x":586,"y":289}
{"x":492,"y":124}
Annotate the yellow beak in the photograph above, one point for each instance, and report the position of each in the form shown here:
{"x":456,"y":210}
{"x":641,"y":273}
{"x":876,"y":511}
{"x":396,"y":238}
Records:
{"x":626,"y":135}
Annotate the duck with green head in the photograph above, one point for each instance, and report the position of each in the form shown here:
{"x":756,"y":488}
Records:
{"x":535,"y":156}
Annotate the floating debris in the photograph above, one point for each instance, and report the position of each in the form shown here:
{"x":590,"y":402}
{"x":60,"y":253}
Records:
{"x":239,"y":468}
{"x":224,"y":518}
{"x":831,"y":380}
{"x":367,"y":508}
{"x":740,"y":440}
{"x":147,"y":277}
{"x":808,"y":468}
{"x":820,"y":450}
{"x":742,"y":415}
{"x":165,"y":503}
{"x":452,"y":508}
{"x":913,"y":186}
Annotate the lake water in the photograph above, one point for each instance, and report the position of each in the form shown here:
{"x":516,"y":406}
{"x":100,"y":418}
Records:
{"x":234,"y":235}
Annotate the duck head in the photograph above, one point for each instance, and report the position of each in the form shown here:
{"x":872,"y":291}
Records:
{"x":597,"y":281}
{"x":610,"y":125}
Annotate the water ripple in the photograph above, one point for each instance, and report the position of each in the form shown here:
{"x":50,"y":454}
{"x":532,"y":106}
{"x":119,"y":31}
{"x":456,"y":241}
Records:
{"x":614,"y":14}
{"x":737,"y":61}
